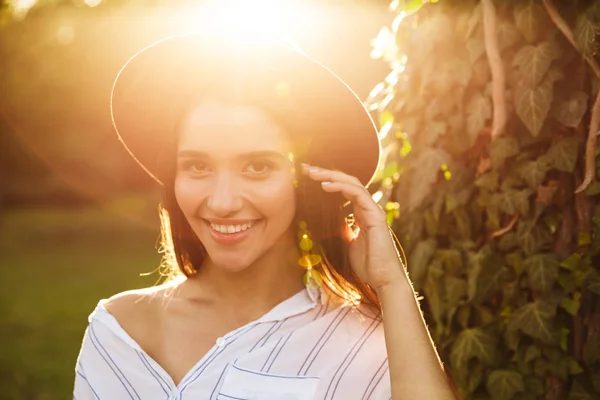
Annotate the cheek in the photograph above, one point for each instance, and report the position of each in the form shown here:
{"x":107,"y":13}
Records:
{"x":187,"y":194}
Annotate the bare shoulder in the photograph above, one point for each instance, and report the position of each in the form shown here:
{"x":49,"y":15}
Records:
{"x":134,"y":306}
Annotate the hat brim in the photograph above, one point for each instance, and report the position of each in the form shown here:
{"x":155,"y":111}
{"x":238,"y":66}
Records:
{"x":324,"y":115}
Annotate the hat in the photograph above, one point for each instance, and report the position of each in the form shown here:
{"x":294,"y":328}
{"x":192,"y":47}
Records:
{"x":328,"y":122}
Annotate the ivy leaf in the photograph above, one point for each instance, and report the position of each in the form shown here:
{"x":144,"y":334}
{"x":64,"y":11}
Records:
{"x":535,"y":320}
{"x":503,"y":384}
{"x":593,"y":283}
{"x":491,"y":278}
{"x":507,"y":35}
{"x":533,"y":172}
{"x":532,"y":237}
{"x":542,"y":270}
{"x":420,"y":258}
{"x":474,"y":267}
{"x":432,"y":131}
{"x":475,"y":49}
{"x":472,"y":343}
{"x":529,"y":16}
{"x":563,"y":154}
{"x":429,"y":163}
{"x":585,"y":33}
{"x":434,"y":292}
{"x":510,"y":201}
{"x":534,"y":62}
{"x":456,"y":289}
{"x":502,"y":148}
{"x":488,"y":181}
{"x":479,"y":110}
{"x":578,"y":392}
{"x":570,"y":111}
{"x":532,"y":106}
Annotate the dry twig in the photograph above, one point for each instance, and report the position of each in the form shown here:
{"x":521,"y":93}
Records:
{"x":496,"y":67}
{"x":590,"y":147}
{"x":507,"y":228}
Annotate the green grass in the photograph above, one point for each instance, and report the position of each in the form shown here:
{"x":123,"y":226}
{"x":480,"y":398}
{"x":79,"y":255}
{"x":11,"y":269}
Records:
{"x":55,"y":266}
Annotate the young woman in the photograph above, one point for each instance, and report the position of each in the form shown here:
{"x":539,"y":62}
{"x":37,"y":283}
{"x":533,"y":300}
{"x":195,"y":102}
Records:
{"x":277,"y":291}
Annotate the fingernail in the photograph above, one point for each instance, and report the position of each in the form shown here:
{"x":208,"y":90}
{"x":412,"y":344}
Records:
{"x":305,"y":165}
{"x":313,"y":169}
{"x":325,"y":183}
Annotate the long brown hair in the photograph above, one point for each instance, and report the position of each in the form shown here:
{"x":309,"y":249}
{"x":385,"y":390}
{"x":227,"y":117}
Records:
{"x":324,"y":214}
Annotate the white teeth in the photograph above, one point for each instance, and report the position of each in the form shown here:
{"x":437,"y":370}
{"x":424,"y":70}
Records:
{"x":231,"y":228}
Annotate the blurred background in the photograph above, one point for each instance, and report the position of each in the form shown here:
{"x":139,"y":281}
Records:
{"x":78,"y":218}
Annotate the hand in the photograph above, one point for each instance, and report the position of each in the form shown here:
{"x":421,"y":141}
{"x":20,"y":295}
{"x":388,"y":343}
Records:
{"x":373,"y":255}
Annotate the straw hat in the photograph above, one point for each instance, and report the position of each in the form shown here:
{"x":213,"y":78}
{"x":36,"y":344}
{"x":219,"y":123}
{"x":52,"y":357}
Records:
{"x":326,"y":119}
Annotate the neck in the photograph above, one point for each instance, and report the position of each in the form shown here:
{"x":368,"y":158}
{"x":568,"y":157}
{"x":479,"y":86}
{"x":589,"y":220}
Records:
{"x":254,"y":290}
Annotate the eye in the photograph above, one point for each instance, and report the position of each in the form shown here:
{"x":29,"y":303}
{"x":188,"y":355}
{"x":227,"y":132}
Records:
{"x":195,"y":167}
{"x":258,"y":168}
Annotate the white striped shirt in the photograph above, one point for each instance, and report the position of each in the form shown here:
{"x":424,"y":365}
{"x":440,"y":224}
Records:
{"x":311,"y":346}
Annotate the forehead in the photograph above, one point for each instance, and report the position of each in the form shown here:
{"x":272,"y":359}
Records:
{"x":222,"y":129}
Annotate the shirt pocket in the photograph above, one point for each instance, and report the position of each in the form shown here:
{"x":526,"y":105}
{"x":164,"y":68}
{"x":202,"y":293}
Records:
{"x":244,"y":384}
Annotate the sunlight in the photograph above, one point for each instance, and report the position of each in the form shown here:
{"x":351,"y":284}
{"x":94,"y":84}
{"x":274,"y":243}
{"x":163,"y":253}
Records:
{"x":243,"y":17}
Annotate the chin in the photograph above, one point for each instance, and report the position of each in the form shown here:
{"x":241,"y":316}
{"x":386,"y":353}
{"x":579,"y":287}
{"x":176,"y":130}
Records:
{"x":231,"y":264}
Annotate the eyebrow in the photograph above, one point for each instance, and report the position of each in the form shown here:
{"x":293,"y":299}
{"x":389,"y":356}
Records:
{"x":188,"y":153}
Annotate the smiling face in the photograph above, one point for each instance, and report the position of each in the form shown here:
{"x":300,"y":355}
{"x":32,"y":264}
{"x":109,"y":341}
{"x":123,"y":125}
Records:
{"x":234,"y":182}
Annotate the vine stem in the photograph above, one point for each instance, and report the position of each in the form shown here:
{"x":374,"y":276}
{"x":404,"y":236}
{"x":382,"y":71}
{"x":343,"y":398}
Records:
{"x":564,"y":28}
{"x":496,"y":67}
{"x":507,"y":228}
{"x":590,"y":147}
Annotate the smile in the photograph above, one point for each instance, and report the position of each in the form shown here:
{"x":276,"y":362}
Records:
{"x":231,"y":229}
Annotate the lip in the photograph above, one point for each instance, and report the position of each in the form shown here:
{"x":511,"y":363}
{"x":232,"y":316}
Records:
{"x":230,"y":238}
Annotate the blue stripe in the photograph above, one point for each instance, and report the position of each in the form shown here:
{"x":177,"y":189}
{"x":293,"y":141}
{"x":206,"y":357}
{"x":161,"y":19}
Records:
{"x":323,"y":308}
{"x":149,"y":360}
{"x":89,"y":384}
{"x":92,"y":337}
{"x":152,"y":372}
{"x":231,"y":397}
{"x":259,"y":340}
{"x":363,"y":339}
{"x":365,"y":395}
{"x":279,"y":351}
{"x":200,"y":369}
{"x":272,"y":375}
{"x":319,"y":341}
{"x":271,"y":353}
{"x":324,"y":342}
{"x":219,"y":381}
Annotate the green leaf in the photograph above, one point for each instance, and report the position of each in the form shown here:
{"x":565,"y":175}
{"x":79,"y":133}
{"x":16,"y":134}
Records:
{"x":488,"y":181}
{"x":532,"y":353}
{"x":534,"y":172}
{"x":434,"y":293}
{"x":570,"y":111}
{"x":502,"y":148}
{"x":535,"y":320}
{"x":474,"y":267}
{"x":571,"y":304}
{"x":529,"y":16}
{"x":491,"y":278}
{"x":419,"y":261}
{"x":563,"y":154}
{"x":578,"y":392}
{"x":572,"y":262}
{"x":532,"y":106}
{"x":593,"y":189}
{"x":592,"y":283}
{"x":503,"y":384}
{"x":542,"y":270}
{"x":532,"y":237}
{"x":510,"y":201}
{"x":507,"y":35}
{"x":429,"y":163}
{"x":585,"y":33}
{"x":479,"y":110}
{"x":472,"y":343}
{"x":534,"y":62}
{"x":456,"y":289}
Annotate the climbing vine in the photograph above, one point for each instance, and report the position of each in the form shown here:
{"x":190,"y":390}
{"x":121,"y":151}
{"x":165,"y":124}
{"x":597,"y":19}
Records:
{"x":489,"y":120}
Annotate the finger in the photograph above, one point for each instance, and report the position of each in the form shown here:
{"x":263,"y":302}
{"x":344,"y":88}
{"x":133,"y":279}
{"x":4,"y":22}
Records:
{"x":360,"y":198}
{"x":321,"y":174}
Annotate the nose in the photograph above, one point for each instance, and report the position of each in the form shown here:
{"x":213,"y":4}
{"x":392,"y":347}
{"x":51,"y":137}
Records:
{"x":224,"y":198}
